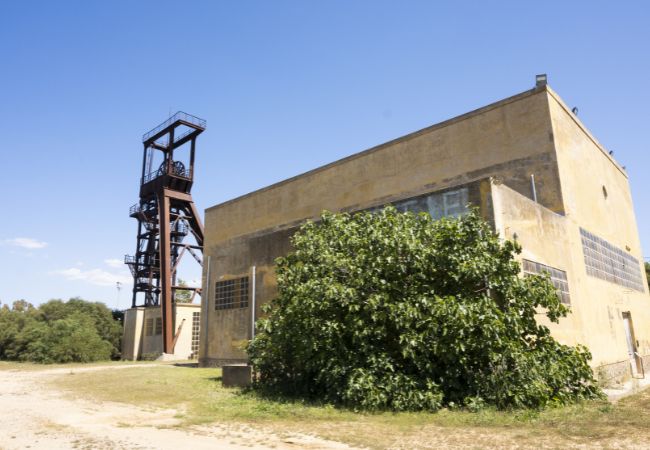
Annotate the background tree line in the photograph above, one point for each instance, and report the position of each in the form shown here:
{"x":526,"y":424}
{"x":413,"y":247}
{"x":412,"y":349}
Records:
{"x":60,"y":332}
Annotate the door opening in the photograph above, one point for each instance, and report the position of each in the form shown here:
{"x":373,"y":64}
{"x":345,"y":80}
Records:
{"x":636,"y":363}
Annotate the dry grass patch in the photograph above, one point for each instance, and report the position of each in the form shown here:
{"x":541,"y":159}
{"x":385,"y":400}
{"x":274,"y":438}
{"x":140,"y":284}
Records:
{"x":198,"y":397}
{"x":28,"y":366}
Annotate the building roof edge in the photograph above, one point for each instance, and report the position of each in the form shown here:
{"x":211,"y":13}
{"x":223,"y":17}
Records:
{"x":412,"y":135}
{"x":584,"y":128}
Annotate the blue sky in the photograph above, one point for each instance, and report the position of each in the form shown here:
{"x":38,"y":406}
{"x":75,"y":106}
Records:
{"x":285,"y":86}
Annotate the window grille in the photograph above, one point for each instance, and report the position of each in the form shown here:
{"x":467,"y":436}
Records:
{"x":158,"y":329}
{"x":608,"y":262}
{"x":231,"y":294}
{"x":148,"y":327}
{"x":196,"y":323}
{"x":558,"y":278}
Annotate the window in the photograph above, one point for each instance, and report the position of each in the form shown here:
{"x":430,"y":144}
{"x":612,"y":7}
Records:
{"x":451,"y":203}
{"x":610,"y":263}
{"x":158,"y":329}
{"x":196,"y":323}
{"x":558,"y":278}
{"x":148,"y":327}
{"x":231,"y":294}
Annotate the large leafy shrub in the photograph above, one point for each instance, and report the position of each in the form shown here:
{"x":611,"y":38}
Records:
{"x":57,"y":331}
{"x":396,"y":311}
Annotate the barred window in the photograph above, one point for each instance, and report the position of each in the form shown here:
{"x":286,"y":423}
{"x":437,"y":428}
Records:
{"x":158,"y":329}
{"x":558,"y":278}
{"x":610,"y":263}
{"x":148,"y":327}
{"x":196,"y":323}
{"x":231,"y":294}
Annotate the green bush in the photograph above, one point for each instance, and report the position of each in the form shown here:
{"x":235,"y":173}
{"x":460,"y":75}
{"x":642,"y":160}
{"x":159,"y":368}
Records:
{"x":59,"y":332}
{"x":396,"y":311}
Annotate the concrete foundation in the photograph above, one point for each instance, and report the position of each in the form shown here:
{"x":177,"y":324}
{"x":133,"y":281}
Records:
{"x":236,"y":375}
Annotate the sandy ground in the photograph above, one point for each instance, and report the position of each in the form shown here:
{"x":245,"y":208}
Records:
{"x":33,"y":415}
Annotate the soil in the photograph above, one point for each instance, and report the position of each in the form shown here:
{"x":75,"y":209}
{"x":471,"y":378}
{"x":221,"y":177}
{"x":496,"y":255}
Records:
{"x":37,"y":416}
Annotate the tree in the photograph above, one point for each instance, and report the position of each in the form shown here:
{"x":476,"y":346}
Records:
{"x":12,"y":320}
{"x":58,"y":331}
{"x":72,"y":339}
{"x":183,"y":295}
{"x":396,"y":311}
{"x":101,"y":316}
{"x":647,"y":273}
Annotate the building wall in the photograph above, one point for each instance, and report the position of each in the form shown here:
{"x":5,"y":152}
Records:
{"x":184,"y":312}
{"x":232,"y":328}
{"x":132,"y":333}
{"x":151,"y":340}
{"x":587,"y":172}
{"x":139,"y":342}
{"x":596,"y":305}
{"x":493,"y":151}
{"x":585,"y":169}
{"x":505,"y":139}
{"x":510,"y":139}
{"x":545,"y":237}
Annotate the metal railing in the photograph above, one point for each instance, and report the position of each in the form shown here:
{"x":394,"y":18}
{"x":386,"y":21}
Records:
{"x":180,"y":115}
{"x":134,"y":209}
{"x":152,"y":176}
{"x":176,"y":138}
{"x":177,"y":171}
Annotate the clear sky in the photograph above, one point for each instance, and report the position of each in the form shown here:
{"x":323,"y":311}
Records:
{"x":285,"y":86}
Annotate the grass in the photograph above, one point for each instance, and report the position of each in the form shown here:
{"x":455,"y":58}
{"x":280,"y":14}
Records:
{"x":198,"y":396}
{"x":29,"y":366}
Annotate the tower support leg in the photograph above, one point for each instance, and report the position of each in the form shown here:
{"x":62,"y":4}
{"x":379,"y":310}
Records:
{"x":165,"y":275}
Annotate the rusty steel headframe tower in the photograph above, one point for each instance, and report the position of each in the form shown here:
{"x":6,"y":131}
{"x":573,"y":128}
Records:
{"x":166,"y":215}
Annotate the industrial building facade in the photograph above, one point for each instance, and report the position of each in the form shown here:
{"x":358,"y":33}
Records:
{"x":530,"y":166}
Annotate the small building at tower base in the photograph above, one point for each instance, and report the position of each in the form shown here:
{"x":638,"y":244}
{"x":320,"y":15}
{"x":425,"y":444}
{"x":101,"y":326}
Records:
{"x":142,"y":338}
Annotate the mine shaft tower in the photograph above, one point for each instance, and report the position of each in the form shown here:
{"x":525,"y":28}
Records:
{"x":166,"y":215}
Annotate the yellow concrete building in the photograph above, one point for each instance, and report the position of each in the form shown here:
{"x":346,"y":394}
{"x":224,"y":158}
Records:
{"x":531,"y":167}
{"x":142,"y":334}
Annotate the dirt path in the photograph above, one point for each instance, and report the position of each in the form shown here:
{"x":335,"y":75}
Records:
{"x":33,"y":415}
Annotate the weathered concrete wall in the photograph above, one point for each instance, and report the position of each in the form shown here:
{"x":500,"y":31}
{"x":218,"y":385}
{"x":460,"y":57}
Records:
{"x":152,"y":344}
{"x":132,"y":333}
{"x":233,"y":259}
{"x":546,"y":237}
{"x":233,"y":327}
{"x":597,"y":306}
{"x":587,"y":171}
{"x":598,"y":198}
{"x":183,"y":314}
